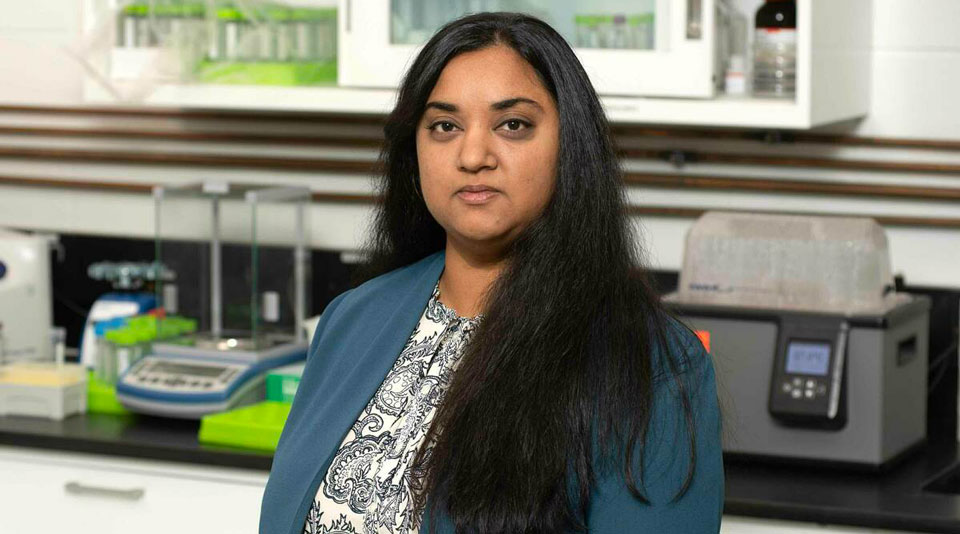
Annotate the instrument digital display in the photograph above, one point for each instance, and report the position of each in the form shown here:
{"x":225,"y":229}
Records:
{"x":809,"y":358}
{"x":179,"y":368}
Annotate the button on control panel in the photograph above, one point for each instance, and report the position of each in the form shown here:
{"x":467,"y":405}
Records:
{"x":804,"y":388}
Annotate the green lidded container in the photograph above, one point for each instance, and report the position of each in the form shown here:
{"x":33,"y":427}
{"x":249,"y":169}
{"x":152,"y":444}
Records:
{"x":282,"y":382}
{"x":230,"y":13}
{"x":121,"y":336}
{"x":257,"y":426}
{"x":137,"y":10}
{"x":311,"y":14}
{"x":643,"y":18}
{"x":587,"y":20}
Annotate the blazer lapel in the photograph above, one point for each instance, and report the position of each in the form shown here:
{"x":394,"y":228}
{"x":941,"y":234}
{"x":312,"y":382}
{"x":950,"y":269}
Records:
{"x":359,"y":345}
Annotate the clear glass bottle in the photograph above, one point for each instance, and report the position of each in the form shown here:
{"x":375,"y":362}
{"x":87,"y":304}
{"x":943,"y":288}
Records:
{"x":775,"y":50}
{"x":620,"y":33}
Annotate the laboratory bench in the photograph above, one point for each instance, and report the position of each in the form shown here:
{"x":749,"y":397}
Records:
{"x":894,"y":500}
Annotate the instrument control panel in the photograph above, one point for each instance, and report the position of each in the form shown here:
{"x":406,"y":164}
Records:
{"x":174,"y":376}
{"x":807,"y":387}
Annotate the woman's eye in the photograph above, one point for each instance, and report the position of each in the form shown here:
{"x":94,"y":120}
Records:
{"x":445,"y":126}
{"x":515,"y":125}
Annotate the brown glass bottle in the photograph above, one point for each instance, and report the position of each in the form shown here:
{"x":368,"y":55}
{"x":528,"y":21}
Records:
{"x":775,"y":49}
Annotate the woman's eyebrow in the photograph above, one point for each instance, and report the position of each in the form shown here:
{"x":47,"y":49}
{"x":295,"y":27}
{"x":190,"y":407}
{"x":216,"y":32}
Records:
{"x":442,"y":106}
{"x":510,"y":102}
{"x":496,"y":106}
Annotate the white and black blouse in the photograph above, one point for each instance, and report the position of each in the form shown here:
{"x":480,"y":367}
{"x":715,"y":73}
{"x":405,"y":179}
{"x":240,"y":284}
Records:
{"x":369,"y":485}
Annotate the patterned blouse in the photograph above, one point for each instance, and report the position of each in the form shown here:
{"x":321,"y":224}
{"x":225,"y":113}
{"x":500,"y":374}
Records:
{"x":368,"y":486}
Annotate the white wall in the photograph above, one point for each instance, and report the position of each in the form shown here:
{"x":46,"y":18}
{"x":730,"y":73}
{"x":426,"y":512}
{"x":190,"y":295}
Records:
{"x":36,"y":40}
{"x":916,"y":70}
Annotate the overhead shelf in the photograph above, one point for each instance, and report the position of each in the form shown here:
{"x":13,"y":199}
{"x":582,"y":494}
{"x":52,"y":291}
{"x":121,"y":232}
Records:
{"x":735,"y":112}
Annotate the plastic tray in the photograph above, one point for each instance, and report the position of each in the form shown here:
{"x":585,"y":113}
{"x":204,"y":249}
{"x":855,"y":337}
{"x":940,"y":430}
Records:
{"x":257,"y":426}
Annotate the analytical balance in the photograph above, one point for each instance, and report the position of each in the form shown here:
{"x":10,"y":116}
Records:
{"x":241,"y":258}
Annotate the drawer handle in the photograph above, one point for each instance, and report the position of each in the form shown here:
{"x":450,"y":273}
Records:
{"x":77,"y":488}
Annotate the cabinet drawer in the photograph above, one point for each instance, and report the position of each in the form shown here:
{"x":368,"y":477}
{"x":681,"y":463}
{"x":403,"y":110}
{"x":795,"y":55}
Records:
{"x":102,"y":495}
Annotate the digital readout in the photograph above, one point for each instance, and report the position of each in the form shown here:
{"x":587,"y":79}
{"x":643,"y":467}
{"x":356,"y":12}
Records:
{"x":186,"y":369}
{"x":804,"y":357}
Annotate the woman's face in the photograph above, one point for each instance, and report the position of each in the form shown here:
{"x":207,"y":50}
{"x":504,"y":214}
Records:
{"x":487,"y":148}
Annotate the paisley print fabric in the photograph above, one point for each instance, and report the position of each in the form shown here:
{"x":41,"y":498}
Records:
{"x":369,"y":485}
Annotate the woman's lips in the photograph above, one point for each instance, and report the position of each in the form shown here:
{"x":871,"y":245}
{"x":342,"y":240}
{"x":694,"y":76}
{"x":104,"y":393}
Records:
{"x":477,"y":195}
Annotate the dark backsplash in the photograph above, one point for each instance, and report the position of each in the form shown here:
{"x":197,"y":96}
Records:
{"x":74,"y":294}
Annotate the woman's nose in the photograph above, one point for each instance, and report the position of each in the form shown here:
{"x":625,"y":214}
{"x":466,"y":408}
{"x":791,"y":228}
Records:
{"x":476,"y":151}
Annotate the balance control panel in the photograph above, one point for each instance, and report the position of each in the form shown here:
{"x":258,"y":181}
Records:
{"x":175,"y":376}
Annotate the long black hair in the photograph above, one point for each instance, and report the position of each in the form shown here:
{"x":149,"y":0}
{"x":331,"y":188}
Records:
{"x":556,"y":384}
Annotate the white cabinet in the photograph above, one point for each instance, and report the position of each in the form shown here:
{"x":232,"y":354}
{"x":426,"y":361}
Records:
{"x":379,"y":38}
{"x":667,"y":46}
{"x":664,"y":74}
{"x":833,"y":60}
{"x":48,"y":492}
{"x":34,"y":65}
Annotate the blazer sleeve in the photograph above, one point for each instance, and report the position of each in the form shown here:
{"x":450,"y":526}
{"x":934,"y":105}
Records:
{"x":666,"y":459}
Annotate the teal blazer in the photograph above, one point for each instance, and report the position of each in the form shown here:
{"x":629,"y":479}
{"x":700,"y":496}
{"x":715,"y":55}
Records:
{"x":357,"y":340}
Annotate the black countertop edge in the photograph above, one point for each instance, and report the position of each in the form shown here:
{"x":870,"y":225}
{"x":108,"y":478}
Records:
{"x":839,"y":516}
{"x":210,"y":457}
{"x":128,"y":436}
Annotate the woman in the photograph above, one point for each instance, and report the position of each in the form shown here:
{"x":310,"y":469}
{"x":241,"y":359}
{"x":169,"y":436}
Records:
{"x":507,"y":368}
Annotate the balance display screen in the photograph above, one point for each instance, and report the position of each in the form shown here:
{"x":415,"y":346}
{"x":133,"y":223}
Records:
{"x":808,"y":358}
{"x":186,"y":369}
